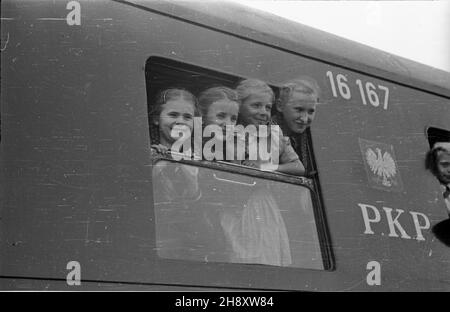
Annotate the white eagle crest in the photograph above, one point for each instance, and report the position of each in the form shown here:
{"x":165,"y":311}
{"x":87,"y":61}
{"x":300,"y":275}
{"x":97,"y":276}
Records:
{"x":381,"y":165}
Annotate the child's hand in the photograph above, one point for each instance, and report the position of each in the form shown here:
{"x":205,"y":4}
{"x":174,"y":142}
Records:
{"x":161,"y":149}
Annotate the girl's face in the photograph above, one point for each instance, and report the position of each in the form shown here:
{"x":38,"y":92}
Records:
{"x":222,"y":113}
{"x":299,"y":112}
{"x":255,"y":109}
{"x":177,"y":113}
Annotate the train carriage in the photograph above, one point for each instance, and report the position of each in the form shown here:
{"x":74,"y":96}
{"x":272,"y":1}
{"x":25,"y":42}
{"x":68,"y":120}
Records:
{"x":78,"y":190}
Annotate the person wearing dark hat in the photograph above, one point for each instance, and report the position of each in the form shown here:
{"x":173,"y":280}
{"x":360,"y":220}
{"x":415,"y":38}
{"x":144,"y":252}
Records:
{"x":438,"y":162}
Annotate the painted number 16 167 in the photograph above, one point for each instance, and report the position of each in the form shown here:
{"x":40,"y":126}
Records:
{"x":368,"y":91}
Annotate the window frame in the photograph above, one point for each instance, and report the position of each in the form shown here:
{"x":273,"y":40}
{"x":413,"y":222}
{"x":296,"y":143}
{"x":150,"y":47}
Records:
{"x":311,"y":182}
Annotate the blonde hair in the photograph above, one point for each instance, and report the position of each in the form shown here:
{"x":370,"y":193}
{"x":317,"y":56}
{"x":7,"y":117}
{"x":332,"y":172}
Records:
{"x":304,"y":85}
{"x":248,"y":87}
{"x":211,"y":95}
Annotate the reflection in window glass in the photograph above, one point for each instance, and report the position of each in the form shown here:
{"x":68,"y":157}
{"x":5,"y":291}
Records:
{"x":208,"y":215}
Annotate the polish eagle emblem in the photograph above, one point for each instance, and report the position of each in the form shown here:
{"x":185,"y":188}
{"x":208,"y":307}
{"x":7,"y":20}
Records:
{"x":383,"y":165}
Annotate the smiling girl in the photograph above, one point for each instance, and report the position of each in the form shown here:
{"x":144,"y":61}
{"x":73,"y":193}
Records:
{"x":172,"y":119}
{"x":256,"y":99}
{"x":174,"y":109}
{"x":219,"y":106}
{"x":257,"y":232}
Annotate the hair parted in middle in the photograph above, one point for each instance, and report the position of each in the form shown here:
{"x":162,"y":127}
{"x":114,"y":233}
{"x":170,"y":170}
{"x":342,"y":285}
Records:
{"x":169,"y":94}
{"x":247,"y":87}
{"x":162,"y":98}
{"x":214,"y":94}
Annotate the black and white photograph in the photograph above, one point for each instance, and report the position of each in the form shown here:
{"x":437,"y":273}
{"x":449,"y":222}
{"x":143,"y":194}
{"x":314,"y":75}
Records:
{"x":208,"y":151}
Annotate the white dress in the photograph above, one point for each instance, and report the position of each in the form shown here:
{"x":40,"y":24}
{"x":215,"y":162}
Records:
{"x":257,"y":233}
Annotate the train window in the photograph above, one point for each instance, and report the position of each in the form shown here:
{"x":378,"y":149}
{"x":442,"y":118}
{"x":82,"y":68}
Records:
{"x":222,"y":212}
